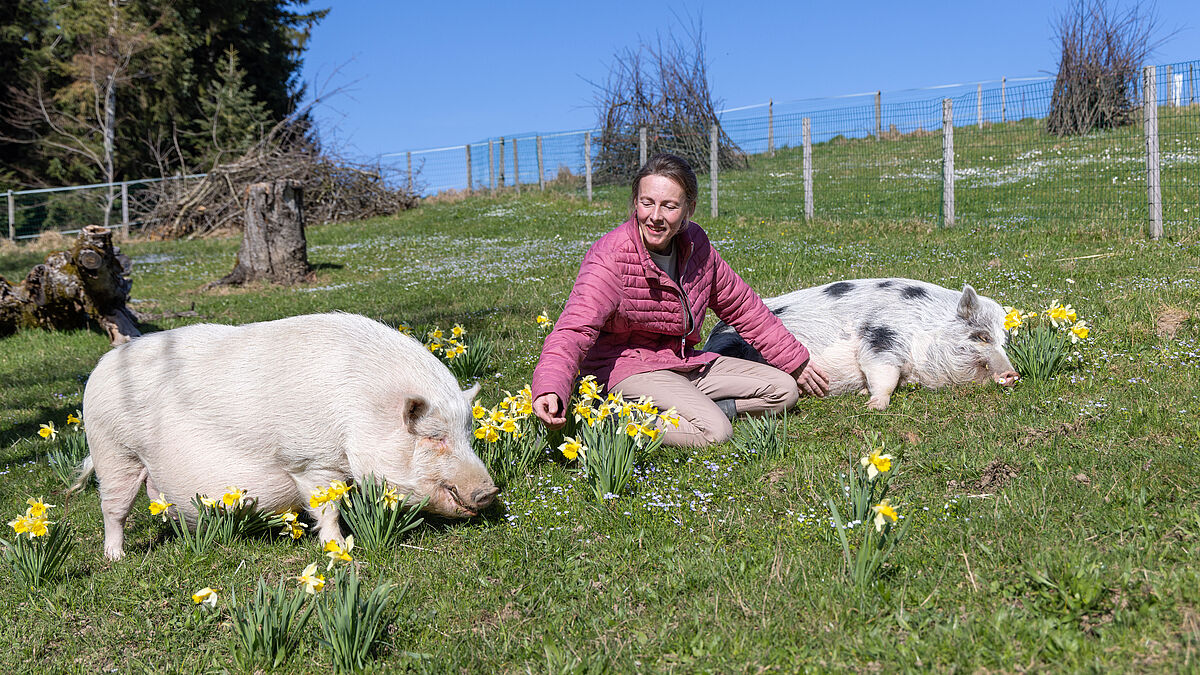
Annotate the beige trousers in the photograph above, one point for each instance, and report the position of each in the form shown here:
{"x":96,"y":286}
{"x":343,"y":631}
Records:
{"x":756,"y":388}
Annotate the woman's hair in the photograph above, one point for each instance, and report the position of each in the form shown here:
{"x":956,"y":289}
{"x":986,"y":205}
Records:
{"x":669,"y":166}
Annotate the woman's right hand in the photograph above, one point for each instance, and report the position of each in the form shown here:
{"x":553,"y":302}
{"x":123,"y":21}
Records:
{"x":549,"y":410}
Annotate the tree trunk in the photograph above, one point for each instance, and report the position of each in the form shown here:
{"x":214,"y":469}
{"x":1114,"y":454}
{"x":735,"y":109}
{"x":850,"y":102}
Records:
{"x":90,"y":281}
{"x":273,"y":245}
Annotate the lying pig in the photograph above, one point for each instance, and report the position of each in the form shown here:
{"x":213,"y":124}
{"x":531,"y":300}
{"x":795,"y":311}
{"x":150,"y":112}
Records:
{"x":872,"y":335}
{"x":278,"y":409}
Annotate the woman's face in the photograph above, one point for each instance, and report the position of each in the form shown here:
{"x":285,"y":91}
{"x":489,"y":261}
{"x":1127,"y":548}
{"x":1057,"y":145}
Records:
{"x":661,"y":211}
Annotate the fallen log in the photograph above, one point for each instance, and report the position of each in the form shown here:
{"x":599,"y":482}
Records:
{"x":89,"y":282}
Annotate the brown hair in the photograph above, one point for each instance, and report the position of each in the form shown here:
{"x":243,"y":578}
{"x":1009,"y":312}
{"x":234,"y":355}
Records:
{"x":668,"y":166}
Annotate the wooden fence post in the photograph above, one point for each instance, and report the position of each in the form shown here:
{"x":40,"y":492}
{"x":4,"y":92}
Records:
{"x":516,"y":167}
{"x":470,"y":187}
{"x":1170,"y":87}
{"x":1191,"y":83}
{"x":808,"y":180}
{"x":491,"y":166}
{"x":541,"y":167}
{"x":408,"y":155}
{"x":500,"y":164}
{"x":878,"y":114}
{"x":587,"y":162}
{"x":641,"y":147}
{"x":771,"y":127}
{"x":125,"y":209}
{"x":12,"y":220}
{"x":947,"y":163}
{"x":1153,"y":189}
{"x":1003,"y":101}
{"x":979,"y":105}
{"x":712,"y":166}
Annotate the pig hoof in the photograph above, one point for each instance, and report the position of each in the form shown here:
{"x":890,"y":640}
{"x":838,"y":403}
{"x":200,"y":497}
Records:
{"x":878,"y":403}
{"x":114,"y":554}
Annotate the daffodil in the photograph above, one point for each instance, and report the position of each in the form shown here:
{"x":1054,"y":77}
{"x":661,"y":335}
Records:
{"x":478,"y":411}
{"x":509,"y":426}
{"x":435,"y":334}
{"x":38,"y":527}
{"x":570,"y":447}
{"x":206,"y":596}
{"x":37,"y":508}
{"x":1060,"y":314}
{"x":588,"y":388}
{"x":336,"y":552}
{"x":1079,"y":331}
{"x":312,"y":581}
{"x":391,"y":498}
{"x":457,"y":331}
{"x":338,"y":488}
{"x":318,"y":497}
{"x":72,"y":419}
{"x":1012,"y":318}
{"x":876,"y":464}
{"x":208,"y":501}
{"x":883,"y":514}
{"x":233,"y":497}
{"x":159,"y":506}
{"x":407,"y":330}
{"x":433,"y":347}
{"x":21,"y":524}
{"x":292,"y":527}
{"x":48,"y":431}
{"x":544,"y":321}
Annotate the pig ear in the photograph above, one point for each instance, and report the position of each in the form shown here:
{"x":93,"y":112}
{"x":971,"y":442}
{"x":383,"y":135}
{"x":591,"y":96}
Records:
{"x":471,"y":393}
{"x":968,"y":305}
{"x":412,"y":410}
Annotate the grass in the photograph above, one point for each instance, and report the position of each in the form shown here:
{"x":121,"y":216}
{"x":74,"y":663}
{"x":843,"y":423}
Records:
{"x":1054,"y":524}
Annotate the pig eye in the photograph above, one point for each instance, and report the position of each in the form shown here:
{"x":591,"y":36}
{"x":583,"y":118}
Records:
{"x":982,"y":337}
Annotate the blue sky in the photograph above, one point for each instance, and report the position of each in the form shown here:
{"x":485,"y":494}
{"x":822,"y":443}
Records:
{"x":424,"y":75}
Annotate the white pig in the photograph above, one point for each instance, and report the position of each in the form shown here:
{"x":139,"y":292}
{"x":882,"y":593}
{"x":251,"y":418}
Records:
{"x":279,"y":409}
{"x":872,"y":335}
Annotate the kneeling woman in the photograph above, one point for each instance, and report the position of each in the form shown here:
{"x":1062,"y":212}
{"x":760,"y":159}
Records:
{"x":633,"y":320}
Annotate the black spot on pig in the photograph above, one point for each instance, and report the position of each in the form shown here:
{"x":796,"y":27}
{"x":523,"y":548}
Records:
{"x":778,"y":311}
{"x":838,"y":289}
{"x":884,"y":284}
{"x":726,"y":342}
{"x":880,"y":338}
{"x":913,"y":292}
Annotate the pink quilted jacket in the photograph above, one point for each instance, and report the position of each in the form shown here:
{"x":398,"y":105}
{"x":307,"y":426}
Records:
{"x":626,"y":316}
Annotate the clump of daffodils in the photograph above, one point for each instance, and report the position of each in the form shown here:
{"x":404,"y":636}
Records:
{"x":221,"y":519}
{"x":64,"y":455}
{"x":543,"y":321}
{"x":508,"y":437}
{"x":40,"y":546}
{"x":1041,"y":344}
{"x":611,"y":430}
{"x":464,"y":360}
{"x":869,"y":480}
{"x":378,"y":513}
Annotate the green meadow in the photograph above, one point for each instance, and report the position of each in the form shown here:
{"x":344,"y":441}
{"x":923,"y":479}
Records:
{"x":1054,"y":524}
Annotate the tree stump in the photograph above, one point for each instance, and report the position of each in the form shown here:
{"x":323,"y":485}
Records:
{"x":273,"y":245}
{"x":90,"y":281}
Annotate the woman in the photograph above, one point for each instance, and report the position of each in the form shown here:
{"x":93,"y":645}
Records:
{"x":634,"y":317}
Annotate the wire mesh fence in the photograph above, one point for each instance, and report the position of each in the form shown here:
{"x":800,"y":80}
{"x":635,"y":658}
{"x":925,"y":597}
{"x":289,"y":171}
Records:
{"x":868,"y":161}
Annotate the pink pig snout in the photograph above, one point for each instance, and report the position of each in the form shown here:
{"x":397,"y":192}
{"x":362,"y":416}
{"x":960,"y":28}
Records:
{"x":1008,"y":378}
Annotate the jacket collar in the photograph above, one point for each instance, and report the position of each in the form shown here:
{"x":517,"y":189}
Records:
{"x":684,"y":243}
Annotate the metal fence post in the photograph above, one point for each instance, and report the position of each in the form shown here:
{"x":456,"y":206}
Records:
{"x":712,"y":166}
{"x":491,"y":166}
{"x":469,"y":185}
{"x":808,"y":178}
{"x":587,"y":162}
{"x":878,"y":114}
{"x":516,"y":167}
{"x":771,"y":126}
{"x":125,"y":209}
{"x":947,"y":163}
{"x":541,"y":167}
{"x":12,"y":221}
{"x":1153,"y":189}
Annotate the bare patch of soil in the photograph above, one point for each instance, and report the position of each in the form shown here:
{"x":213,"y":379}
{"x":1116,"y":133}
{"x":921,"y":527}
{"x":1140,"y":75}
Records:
{"x":1168,"y":322}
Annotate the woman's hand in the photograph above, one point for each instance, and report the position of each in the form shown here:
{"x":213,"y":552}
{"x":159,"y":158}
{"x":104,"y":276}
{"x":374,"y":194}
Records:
{"x":812,"y":380}
{"x":549,"y":410}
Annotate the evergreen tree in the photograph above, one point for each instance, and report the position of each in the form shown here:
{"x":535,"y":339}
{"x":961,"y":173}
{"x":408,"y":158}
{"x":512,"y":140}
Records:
{"x":232,"y":119}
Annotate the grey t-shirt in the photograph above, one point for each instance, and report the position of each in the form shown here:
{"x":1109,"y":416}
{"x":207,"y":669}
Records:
{"x":666,"y":263}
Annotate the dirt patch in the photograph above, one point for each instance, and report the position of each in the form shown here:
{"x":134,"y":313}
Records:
{"x":994,"y":477}
{"x":776,"y":475}
{"x":1168,"y":322}
{"x":1030,"y":435}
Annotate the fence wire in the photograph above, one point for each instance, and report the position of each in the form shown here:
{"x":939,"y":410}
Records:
{"x":870,"y":160}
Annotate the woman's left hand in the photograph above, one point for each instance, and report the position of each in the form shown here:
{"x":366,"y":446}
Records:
{"x":812,"y":380}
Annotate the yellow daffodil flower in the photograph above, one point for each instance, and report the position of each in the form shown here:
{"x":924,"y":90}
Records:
{"x":509,"y":427}
{"x":407,"y":330}
{"x":1060,"y":313}
{"x":457,"y":331}
{"x":434,"y":347}
{"x":312,"y":581}
{"x":883,"y":513}
{"x":21,"y":524}
{"x":338,"y":488}
{"x":206,"y":596}
{"x":876,"y":464}
{"x":336,"y":552}
{"x":318,"y":497}
{"x":391,"y":498}
{"x":631,"y":430}
{"x":233,"y":497}
{"x":48,"y":431}
{"x":478,"y":411}
{"x":208,"y":501}
{"x":38,"y":527}
{"x":72,"y":419}
{"x":292,"y":527}
{"x":588,"y":388}
{"x":159,"y":507}
{"x":649,"y":432}
{"x":1079,"y":331}
{"x":435,"y":334}
{"x":37,"y":508}
{"x":570,"y":447}
{"x":543,"y":321}
{"x":1012,"y":318}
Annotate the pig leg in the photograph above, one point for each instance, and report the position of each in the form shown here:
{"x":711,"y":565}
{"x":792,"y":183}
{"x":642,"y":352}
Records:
{"x":326,"y":516}
{"x":117,"y":494}
{"x":881,"y":382}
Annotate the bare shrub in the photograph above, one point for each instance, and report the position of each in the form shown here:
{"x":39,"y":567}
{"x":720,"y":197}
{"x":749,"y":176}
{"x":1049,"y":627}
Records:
{"x":1103,"y":50}
{"x":664,"y":87}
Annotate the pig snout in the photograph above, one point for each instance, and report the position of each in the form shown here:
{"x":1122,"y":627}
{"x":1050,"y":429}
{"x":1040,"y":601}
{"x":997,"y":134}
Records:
{"x":1008,"y":378}
{"x":463,"y":503}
